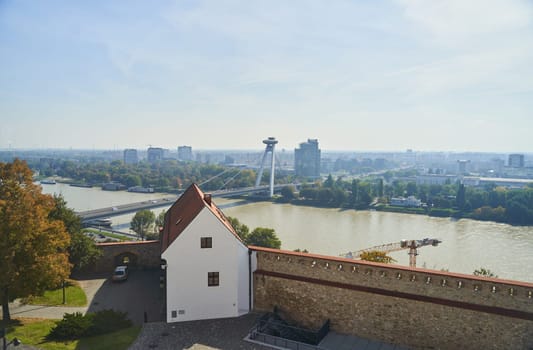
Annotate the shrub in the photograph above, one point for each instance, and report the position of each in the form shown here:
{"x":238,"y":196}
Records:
{"x":106,"y":321}
{"x":441,"y":212}
{"x":76,"y":325}
{"x":72,"y":326}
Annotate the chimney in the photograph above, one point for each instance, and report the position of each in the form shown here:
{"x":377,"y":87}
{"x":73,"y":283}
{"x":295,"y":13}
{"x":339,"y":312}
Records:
{"x":207,"y":198}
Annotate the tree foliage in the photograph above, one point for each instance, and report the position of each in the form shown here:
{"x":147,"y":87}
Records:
{"x":260,"y":236}
{"x":143,"y":222}
{"x":264,"y":237}
{"x":159,"y":221}
{"x":165,"y":176}
{"x":484,"y":272}
{"x":82,"y":250}
{"x":242,"y":230}
{"x":377,"y":256}
{"x":33,"y":246}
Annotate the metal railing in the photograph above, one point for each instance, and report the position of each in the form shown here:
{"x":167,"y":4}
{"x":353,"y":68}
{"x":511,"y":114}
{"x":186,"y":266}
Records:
{"x":271,"y":329}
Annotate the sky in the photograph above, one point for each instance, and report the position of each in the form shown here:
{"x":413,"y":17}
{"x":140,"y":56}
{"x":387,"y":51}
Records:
{"x":449,"y":75}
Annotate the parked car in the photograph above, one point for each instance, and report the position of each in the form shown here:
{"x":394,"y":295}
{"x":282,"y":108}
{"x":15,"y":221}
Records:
{"x":120,"y":273}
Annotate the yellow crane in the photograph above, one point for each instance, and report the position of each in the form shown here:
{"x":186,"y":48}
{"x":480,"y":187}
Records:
{"x":412,"y":245}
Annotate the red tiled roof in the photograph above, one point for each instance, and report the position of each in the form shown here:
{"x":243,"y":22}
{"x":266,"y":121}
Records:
{"x":185,"y":210}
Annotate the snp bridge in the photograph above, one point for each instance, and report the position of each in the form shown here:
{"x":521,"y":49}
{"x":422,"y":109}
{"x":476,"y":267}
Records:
{"x":163,"y":202}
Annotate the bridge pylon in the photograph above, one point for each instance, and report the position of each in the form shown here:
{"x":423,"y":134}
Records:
{"x":270,"y":144}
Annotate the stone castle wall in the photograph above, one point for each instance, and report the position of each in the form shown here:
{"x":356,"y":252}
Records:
{"x":141,"y":254}
{"x":410,"y":306}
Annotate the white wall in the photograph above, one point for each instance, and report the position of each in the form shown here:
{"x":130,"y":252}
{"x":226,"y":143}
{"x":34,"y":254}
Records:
{"x":188,"y":265}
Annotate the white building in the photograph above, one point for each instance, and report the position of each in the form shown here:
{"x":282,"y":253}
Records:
{"x":435,"y":179}
{"x":208,"y":267}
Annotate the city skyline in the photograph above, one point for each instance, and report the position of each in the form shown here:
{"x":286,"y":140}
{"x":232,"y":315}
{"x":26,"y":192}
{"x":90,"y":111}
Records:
{"x":357,"y":76}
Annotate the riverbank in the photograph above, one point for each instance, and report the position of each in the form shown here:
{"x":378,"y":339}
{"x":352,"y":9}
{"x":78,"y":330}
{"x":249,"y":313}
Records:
{"x":431,"y":212}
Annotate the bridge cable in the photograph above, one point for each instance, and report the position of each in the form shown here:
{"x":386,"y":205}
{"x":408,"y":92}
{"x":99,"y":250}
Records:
{"x":214,"y":177}
{"x":230,"y":179}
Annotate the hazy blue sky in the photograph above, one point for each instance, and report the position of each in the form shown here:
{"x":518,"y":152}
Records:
{"x":357,"y":75}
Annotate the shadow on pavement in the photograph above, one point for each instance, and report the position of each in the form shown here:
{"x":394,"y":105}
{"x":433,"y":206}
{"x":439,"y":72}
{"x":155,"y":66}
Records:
{"x":140,"y":296}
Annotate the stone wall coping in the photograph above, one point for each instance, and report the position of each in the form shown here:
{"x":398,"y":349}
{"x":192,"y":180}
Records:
{"x":126,"y":243}
{"x":392,"y":267}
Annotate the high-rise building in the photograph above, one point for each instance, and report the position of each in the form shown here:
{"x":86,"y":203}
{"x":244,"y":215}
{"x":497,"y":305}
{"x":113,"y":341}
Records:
{"x":307,"y":159}
{"x":462,"y":166}
{"x":154,"y":154}
{"x":130,"y":156}
{"x":185,"y":153}
{"x":516,"y":160}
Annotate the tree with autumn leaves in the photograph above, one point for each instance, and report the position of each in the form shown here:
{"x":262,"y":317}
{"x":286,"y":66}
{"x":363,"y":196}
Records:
{"x":33,"y":246}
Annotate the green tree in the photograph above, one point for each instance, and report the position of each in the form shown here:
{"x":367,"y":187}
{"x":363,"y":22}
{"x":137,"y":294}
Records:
{"x":82,"y":250}
{"x":329,"y":183}
{"x":379,"y":188}
{"x":62,"y":212}
{"x":460,"y":198}
{"x":411,"y":188}
{"x":264,"y":237}
{"x":354,"y":194}
{"x":484,"y":272}
{"x":33,"y":247}
{"x":377,"y":256}
{"x":288,"y":193}
{"x":142,"y":222}
{"x":159,"y":221}
{"x":242,"y":230}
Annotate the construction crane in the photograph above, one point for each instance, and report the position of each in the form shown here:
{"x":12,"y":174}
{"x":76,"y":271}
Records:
{"x":412,"y":245}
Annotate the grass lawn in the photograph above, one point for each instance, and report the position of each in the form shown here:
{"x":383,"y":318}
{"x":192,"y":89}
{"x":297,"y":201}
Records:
{"x":33,"y":332}
{"x":74,"y":295}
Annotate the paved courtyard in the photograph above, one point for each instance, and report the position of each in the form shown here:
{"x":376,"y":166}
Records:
{"x":138,"y":295}
{"x":225,"y":334}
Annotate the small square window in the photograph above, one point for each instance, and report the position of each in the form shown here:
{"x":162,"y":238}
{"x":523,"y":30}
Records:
{"x":206,"y":242}
{"x":212,"y":279}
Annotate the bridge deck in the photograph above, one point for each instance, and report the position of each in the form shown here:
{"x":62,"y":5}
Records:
{"x":167,"y":201}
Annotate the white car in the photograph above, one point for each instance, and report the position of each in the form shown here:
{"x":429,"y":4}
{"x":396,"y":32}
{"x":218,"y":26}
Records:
{"x":120,"y":273}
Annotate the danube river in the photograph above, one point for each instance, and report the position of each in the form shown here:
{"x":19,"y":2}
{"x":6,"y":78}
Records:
{"x":466,"y":244}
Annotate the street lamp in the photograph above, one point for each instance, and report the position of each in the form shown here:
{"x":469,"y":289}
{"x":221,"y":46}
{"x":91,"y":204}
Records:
{"x":15,"y":341}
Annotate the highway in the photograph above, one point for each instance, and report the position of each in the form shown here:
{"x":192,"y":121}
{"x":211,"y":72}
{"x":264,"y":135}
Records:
{"x":164,"y":202}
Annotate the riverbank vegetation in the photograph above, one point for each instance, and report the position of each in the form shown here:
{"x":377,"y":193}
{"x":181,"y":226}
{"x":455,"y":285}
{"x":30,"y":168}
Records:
{"x":169,"y":176}
{"x":491,"y":202}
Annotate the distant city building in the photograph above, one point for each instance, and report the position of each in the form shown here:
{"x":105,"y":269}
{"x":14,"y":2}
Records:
{"x":498,"y":165}
{"x":504,"y":182}
{"x":185,"y":153}
{"x":307,"y":159}
{"x":130,"y":156}
{"x":154,"y":154}
{"x":516,"y":160}
{"x":462,"y":166}
{"x":435,"y":179}
{"x":410,"y":201}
